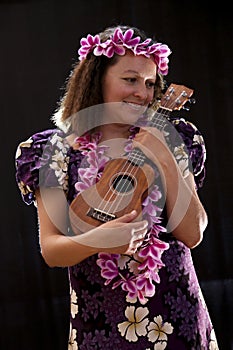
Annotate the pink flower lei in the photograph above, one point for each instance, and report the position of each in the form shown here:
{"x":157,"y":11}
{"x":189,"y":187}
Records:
{"x":136,"y":274}
{"x":119,"y":42}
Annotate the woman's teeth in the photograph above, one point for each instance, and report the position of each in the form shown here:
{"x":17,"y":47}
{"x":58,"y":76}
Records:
{"x":135,"y":106}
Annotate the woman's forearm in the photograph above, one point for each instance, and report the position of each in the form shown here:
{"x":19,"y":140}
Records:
{"x":187,"y":218}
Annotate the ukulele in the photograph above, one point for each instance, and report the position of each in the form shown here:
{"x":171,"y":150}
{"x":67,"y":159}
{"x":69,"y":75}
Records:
{"x":125,"y":182}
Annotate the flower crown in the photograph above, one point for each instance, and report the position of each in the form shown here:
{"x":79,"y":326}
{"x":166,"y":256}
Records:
{"x":119,"y":42}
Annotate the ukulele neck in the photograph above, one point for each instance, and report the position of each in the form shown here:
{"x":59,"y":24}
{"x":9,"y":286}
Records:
{"x":159,"y":121}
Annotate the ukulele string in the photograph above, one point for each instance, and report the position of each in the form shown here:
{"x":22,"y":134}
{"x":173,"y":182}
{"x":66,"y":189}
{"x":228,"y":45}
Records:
{"x":128,"y":176}
{"x":107,"y":205}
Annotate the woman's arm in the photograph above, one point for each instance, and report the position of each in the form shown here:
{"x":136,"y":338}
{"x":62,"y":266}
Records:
{"x":58,"y":249}
{"x":187,"y":218}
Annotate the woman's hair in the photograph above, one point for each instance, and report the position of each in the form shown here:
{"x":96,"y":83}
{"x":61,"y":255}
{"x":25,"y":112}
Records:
{"x":84,"y":85}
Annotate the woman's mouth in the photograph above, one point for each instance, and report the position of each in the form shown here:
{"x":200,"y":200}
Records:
{"x":136,"y":106}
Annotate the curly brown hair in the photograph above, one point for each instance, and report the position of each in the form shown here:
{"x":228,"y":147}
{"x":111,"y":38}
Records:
{"x":84,"y":85}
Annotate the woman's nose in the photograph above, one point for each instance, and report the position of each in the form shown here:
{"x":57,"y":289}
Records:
{"x":141,"y":93}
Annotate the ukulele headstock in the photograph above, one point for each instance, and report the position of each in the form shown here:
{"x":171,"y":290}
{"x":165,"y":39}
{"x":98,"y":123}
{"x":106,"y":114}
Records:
{"x":175,"y":97}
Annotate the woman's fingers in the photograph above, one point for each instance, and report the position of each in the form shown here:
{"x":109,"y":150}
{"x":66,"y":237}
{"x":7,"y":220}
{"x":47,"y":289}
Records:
{"x":121,"y":235}
{"x":128,"y":216}
{"x":138,"y":236}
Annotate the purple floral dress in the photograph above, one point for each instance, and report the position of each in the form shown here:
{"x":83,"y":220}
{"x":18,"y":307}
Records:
{"x":105,"y":312}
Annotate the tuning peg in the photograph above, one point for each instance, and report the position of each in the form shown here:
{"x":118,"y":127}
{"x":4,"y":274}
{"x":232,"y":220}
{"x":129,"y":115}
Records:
{"x":192,"y":100}
{"x":186,"y":108}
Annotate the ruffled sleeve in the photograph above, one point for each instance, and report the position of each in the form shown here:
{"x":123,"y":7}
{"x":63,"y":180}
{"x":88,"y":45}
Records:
{"x":41,"y":161}
{"x":195,"y":145}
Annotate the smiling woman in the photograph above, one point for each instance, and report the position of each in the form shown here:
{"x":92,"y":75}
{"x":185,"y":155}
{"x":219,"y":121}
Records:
{"x":130,"y":81}
{"x":133,"y":284}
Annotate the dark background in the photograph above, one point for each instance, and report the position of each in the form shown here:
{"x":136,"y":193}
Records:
{"x":38,"y":45}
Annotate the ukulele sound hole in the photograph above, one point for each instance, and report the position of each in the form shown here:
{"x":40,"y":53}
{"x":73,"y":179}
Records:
{"x":123,"y":183}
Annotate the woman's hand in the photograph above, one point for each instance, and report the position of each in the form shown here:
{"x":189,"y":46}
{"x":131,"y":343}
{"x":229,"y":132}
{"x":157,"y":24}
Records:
{"x":152,"y":143}
{"x":119,"y":236}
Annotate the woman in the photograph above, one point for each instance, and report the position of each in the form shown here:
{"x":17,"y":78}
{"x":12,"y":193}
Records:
{"x":133,"y":284}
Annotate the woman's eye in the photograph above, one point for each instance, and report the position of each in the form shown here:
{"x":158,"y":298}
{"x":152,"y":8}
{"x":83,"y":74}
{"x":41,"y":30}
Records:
{"x":150,"y":84}
{"x":130,"y":80}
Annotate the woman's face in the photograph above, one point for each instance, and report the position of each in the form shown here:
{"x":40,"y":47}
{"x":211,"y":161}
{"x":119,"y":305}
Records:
{"x":129,"y":83}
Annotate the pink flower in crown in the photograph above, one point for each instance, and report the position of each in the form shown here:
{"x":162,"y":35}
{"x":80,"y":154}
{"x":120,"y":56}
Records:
{"x":163,"y":65}
{"x":117,"y":43}
{"x":87,"y":45}
{"x":161,"y":50}
{"x":160,"y":53}
{"x":142,"y":48}
{"x":101,"y":48}
{"x":125,"y":39}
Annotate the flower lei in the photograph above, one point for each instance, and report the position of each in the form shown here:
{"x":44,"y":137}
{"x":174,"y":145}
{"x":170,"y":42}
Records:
{"x":119,"y":42}
{"x":137,"y":273}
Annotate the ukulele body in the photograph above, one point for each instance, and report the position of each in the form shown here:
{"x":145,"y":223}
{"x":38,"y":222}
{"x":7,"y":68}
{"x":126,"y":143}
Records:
{"x":122,"y":188}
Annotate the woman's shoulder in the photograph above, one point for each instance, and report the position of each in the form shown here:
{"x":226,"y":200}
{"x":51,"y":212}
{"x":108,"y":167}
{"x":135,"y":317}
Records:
{"x":189,"y":132}
{"x":35,"y":161}
{"x":39,"y":138}
{"x":38,"y":147}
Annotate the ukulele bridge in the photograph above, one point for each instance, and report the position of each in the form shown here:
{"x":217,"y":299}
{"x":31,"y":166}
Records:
{"x":100,"y":215}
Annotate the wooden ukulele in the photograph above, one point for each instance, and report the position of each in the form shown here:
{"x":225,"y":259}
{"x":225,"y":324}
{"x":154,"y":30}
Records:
{"x":125,"y":182}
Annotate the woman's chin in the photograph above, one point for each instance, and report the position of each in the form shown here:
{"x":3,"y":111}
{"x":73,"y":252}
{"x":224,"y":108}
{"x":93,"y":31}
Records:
{"x":123,"y":113}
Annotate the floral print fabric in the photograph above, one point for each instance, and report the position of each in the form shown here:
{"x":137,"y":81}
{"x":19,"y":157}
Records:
{"x":176,"y":317}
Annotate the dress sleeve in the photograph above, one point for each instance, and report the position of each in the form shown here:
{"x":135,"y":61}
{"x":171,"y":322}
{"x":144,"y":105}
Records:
{"x":195,"y":145}
{"x":41,"y":161}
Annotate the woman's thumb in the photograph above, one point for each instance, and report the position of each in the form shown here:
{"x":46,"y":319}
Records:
{"x":128,"y":217}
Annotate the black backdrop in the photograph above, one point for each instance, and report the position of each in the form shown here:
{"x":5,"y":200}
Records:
{"x":38,"y":45}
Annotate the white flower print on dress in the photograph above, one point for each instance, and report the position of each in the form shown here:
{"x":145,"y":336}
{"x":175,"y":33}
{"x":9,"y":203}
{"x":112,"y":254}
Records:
{"x":136,"y":324}
{"x":182,"y":159}
{"x":72,"y":345}
{"x":213,"y":345}
{"x":157,"y":332}
{"x":27,"y":143}
{"x":74,"y":306}
{"x":59,"y":165}
{"x":59,"y":142}
{"x":60,"y":160}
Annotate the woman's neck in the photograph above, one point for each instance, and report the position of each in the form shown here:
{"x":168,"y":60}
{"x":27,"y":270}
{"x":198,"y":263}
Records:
{"x":114,"y":136}
{"x":114,"y":131}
